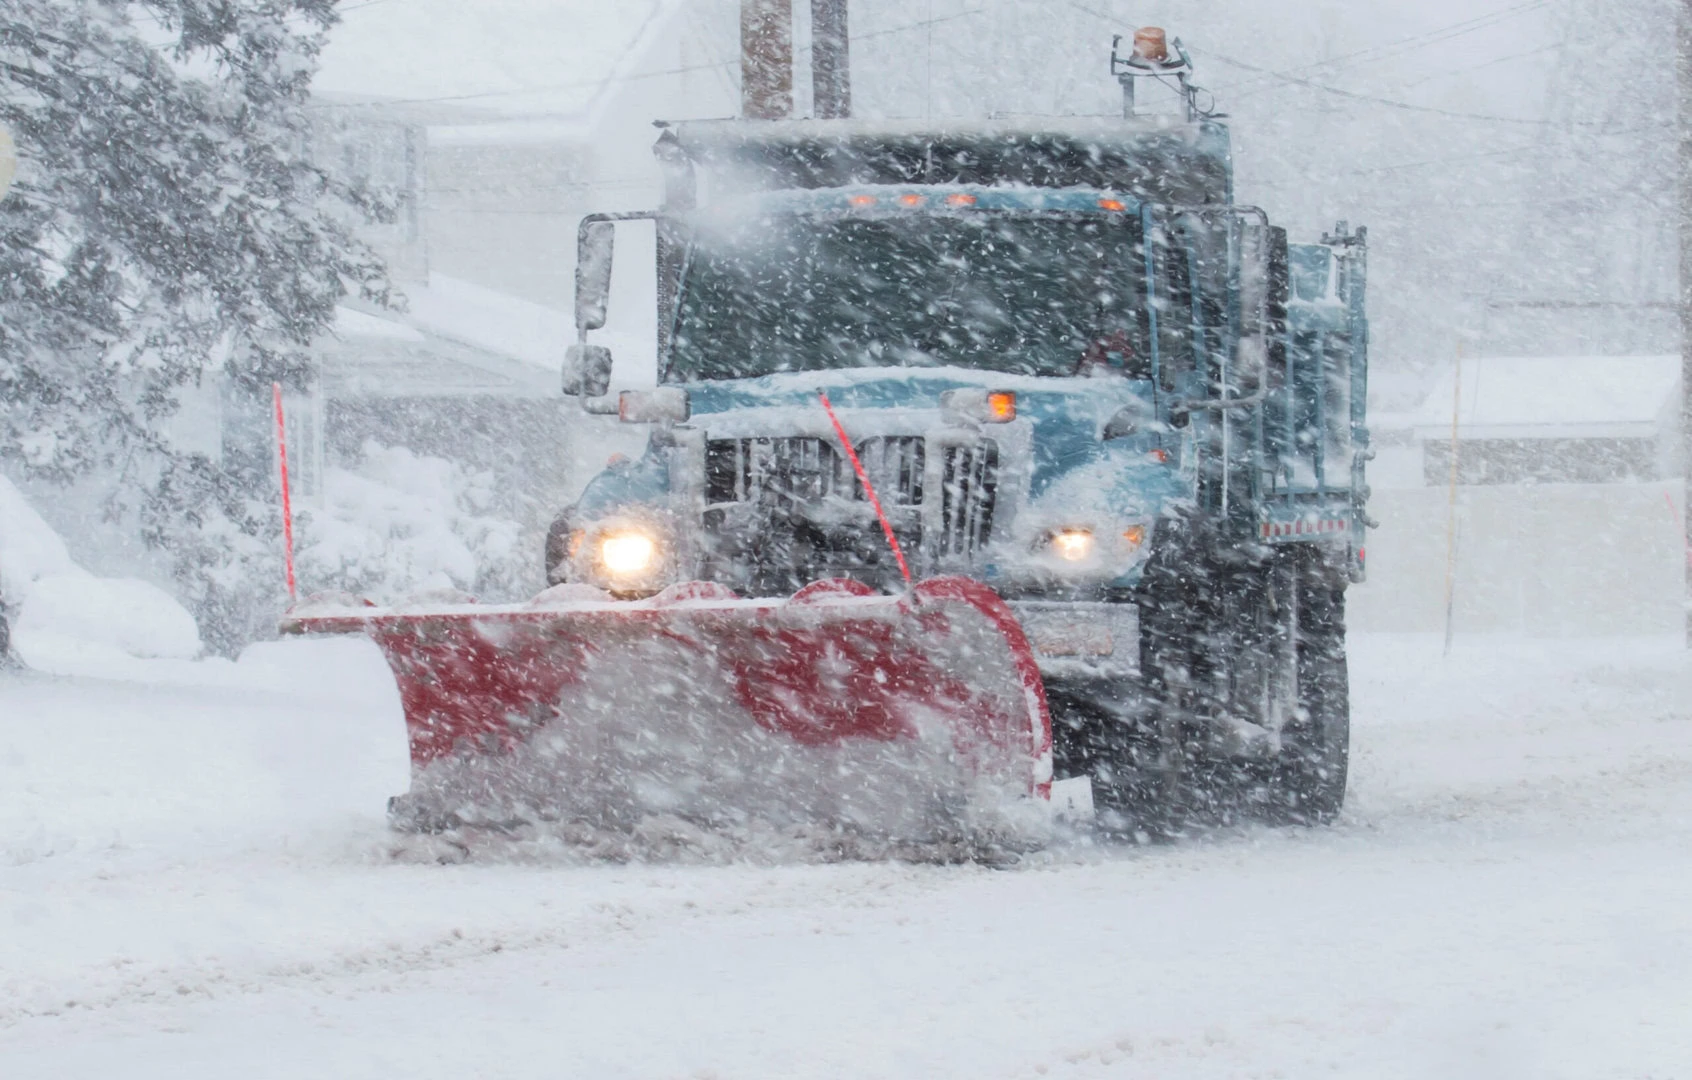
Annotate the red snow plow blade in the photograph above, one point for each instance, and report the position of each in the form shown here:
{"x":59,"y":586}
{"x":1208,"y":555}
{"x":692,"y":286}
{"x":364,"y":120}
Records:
{"x":837,"y":706}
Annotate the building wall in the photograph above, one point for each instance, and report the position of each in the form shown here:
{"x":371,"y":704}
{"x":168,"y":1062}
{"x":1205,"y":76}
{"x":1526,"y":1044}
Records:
{"x":1544,"y":461}
{"x":365,"y":147}
{"x":504,"y":215}
{"x":1556,"y":560}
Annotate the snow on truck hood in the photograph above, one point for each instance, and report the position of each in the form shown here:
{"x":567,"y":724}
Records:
{"x":1082,"y":400}
{"x":1066,"y":414}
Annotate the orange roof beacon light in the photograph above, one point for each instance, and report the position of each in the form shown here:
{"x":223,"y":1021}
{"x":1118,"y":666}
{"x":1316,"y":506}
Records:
{"x":1001,"y":406}
{"x":1150,"y":43}
{"x":960,"y":198}
{"x":1155,"y":55}
{"x":1112,"y":204}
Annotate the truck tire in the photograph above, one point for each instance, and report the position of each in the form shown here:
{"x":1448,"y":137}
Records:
{"x":1308,"y":781}
{"x":1142,"y":782}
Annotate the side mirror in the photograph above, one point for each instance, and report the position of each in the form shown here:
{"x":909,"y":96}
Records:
{"x":587,"y":371}
{"x":595,"y":243}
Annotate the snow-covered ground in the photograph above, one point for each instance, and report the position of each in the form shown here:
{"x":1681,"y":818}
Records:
{"x":194,"y":882}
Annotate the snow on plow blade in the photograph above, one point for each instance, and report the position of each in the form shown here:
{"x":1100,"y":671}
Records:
{"x":893,"y":715}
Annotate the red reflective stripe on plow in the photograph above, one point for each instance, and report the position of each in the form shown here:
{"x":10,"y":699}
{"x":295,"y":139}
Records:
{"x":989,"y":603}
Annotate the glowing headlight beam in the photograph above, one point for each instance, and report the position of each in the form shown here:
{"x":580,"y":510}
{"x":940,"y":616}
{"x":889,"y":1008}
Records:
{"x":628,"y":553}
{"x":1072,"y":545}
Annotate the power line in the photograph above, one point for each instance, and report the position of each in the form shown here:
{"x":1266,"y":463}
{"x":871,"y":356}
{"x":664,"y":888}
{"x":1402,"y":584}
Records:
{"x":1541,"y":50}
{"x":1372,"y":53}
{"x":582,"y":83}
{"x":1436,"y":36}
{"x":1371,"y":98}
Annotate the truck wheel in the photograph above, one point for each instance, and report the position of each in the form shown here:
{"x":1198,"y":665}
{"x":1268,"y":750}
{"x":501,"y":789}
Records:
{"x":1307,"y":784}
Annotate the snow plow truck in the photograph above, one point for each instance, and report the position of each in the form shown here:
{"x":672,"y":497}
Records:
{"x":980,"y":457}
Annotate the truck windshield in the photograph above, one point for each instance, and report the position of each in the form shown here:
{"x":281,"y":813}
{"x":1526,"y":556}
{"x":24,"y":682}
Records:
{"x":1030,"y":294}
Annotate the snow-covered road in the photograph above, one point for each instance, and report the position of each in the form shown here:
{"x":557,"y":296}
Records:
{"x":193,"y":883}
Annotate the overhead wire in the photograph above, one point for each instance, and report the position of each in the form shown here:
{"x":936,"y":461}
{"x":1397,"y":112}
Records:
{"x":1432,"y":37}
{"x":1415,"y":42}
{"x":1373,"y":99}
{"x":582,"y":83}
{"x":355,"y":7}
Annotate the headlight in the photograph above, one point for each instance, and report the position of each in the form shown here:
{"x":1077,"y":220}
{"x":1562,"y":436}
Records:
{"x":1081,"y":546}
{"x":1072,"y":545}
{"x":626,"y":554}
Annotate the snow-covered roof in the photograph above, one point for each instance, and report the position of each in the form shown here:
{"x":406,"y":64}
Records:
{"x":1549,"y":397}
{"x":510,"y":57}
{"x":454,"y":339}
{"x":490,"y":320}
{"x":351,"y":324}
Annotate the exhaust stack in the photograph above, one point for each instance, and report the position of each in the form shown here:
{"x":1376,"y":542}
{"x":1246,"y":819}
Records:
{"x":831,"y":61}
{"x":766,"y":59}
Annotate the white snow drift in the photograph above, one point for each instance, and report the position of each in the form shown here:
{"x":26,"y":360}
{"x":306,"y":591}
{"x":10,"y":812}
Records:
{"x":68,"y":621}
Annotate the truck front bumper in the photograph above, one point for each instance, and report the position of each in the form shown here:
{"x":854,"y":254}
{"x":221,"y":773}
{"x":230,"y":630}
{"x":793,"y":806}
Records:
{"x":1079,"y":639}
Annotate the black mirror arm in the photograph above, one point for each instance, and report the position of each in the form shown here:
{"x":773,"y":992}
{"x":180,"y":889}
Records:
{"x":1182,"y":408}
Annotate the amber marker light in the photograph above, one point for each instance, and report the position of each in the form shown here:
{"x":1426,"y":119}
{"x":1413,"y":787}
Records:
{"x":861,"y":200}
{"x":1133,"y":536}
{"x":910,"y":200}
{"x":1112,"y":204}
{"x":960,"y":199}
{"x":1001,"y":407}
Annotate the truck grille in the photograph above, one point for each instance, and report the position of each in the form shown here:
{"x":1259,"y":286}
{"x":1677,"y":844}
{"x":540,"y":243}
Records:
{"x":969,"y":487}
{"x":777,"y":471}
{"x":783,"y":512}
{"x":800,"y":469}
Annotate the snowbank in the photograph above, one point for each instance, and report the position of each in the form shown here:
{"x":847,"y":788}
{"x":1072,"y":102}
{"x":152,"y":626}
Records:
{"x":406,"y":523}
{"x":66,"y":621}
{"x":29,"y":548}
{"x":75,"y":623}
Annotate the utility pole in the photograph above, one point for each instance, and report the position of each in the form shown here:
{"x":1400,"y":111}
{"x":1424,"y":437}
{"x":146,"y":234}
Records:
{"x":766,"y":59}
{"x":1683,"y":71}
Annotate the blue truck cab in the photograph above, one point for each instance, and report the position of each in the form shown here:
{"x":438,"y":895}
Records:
{"x":1072,"y":367}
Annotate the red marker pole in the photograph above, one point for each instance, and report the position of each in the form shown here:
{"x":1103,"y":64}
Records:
{"x":869,"y":489}
{"x":287,"y":504}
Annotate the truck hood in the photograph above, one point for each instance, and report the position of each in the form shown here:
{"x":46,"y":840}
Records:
{"x":1067,"y":415}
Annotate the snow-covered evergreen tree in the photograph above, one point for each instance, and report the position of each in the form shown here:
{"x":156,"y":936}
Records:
{"x":166,"y":227}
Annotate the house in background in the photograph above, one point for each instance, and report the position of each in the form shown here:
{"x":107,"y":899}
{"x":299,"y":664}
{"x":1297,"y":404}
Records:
{"x":497,"y":127}
{"x":1553,"y":420}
